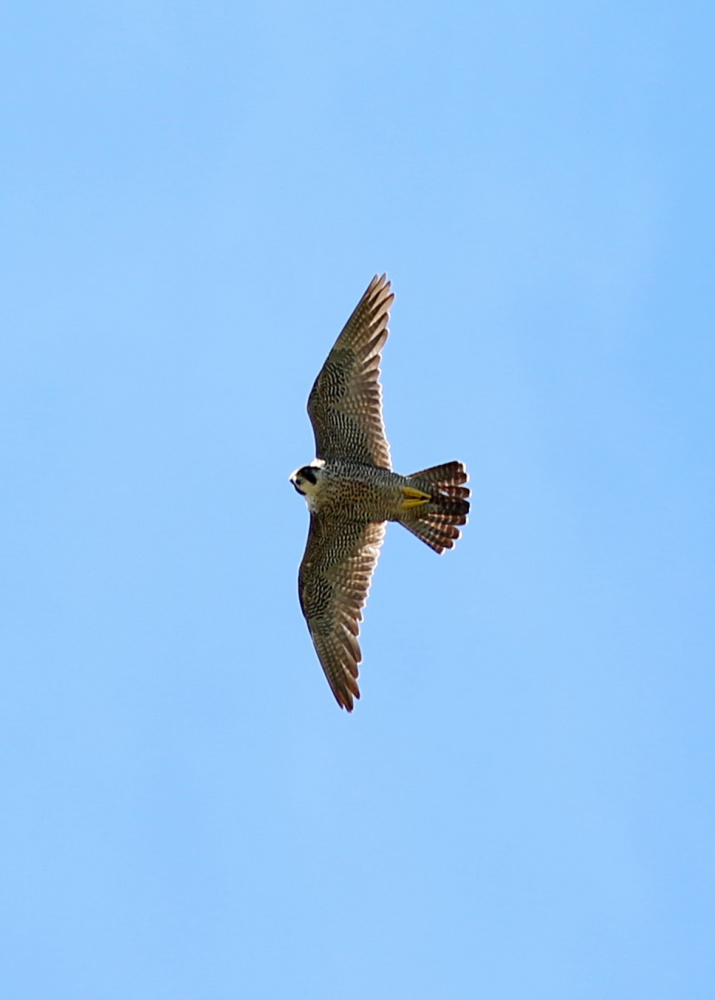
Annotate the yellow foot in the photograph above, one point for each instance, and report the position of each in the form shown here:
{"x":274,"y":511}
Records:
{"x":413,"y":498}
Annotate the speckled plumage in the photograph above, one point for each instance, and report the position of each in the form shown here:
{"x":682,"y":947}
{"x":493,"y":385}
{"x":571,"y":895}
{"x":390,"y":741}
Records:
{"x":351,"y":492}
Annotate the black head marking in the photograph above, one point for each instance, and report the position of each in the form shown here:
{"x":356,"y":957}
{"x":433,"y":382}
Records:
{"x":308,"y":472}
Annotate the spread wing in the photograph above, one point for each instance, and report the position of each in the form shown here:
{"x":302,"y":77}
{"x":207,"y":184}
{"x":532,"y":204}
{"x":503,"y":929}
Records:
{"x":345,"y":404}
{"x":333,"y":584}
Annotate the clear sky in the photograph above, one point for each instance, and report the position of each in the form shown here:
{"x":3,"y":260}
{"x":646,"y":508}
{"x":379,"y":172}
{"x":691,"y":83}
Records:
{"x":194,"y":196}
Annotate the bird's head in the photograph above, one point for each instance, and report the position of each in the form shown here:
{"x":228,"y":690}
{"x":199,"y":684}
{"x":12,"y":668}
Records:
{"x":307,"y":478}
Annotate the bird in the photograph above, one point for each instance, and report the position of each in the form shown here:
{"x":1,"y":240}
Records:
{"x":352,"y":492}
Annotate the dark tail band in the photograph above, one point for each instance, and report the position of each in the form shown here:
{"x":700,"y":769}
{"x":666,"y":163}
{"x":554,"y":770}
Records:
{"x":436,"y":521}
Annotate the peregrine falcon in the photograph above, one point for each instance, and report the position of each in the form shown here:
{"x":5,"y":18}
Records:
{"x":351,"y":492}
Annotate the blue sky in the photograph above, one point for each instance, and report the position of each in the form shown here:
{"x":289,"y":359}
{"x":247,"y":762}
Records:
{"x":194,"y":196}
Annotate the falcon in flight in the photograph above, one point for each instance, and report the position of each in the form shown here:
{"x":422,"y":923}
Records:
{"x":351,"y":492}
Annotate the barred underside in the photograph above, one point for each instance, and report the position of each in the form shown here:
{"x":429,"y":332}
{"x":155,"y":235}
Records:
{"x":436,"y":522}
{"x":333,"y":585}
{"x":345,"y":403}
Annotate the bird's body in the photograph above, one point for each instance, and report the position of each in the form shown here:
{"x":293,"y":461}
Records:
{"x":367,"y":490}
{"x":351,"y":492}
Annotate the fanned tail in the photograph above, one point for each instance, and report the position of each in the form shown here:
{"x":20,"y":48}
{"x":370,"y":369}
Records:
{"x":435,"y":521}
